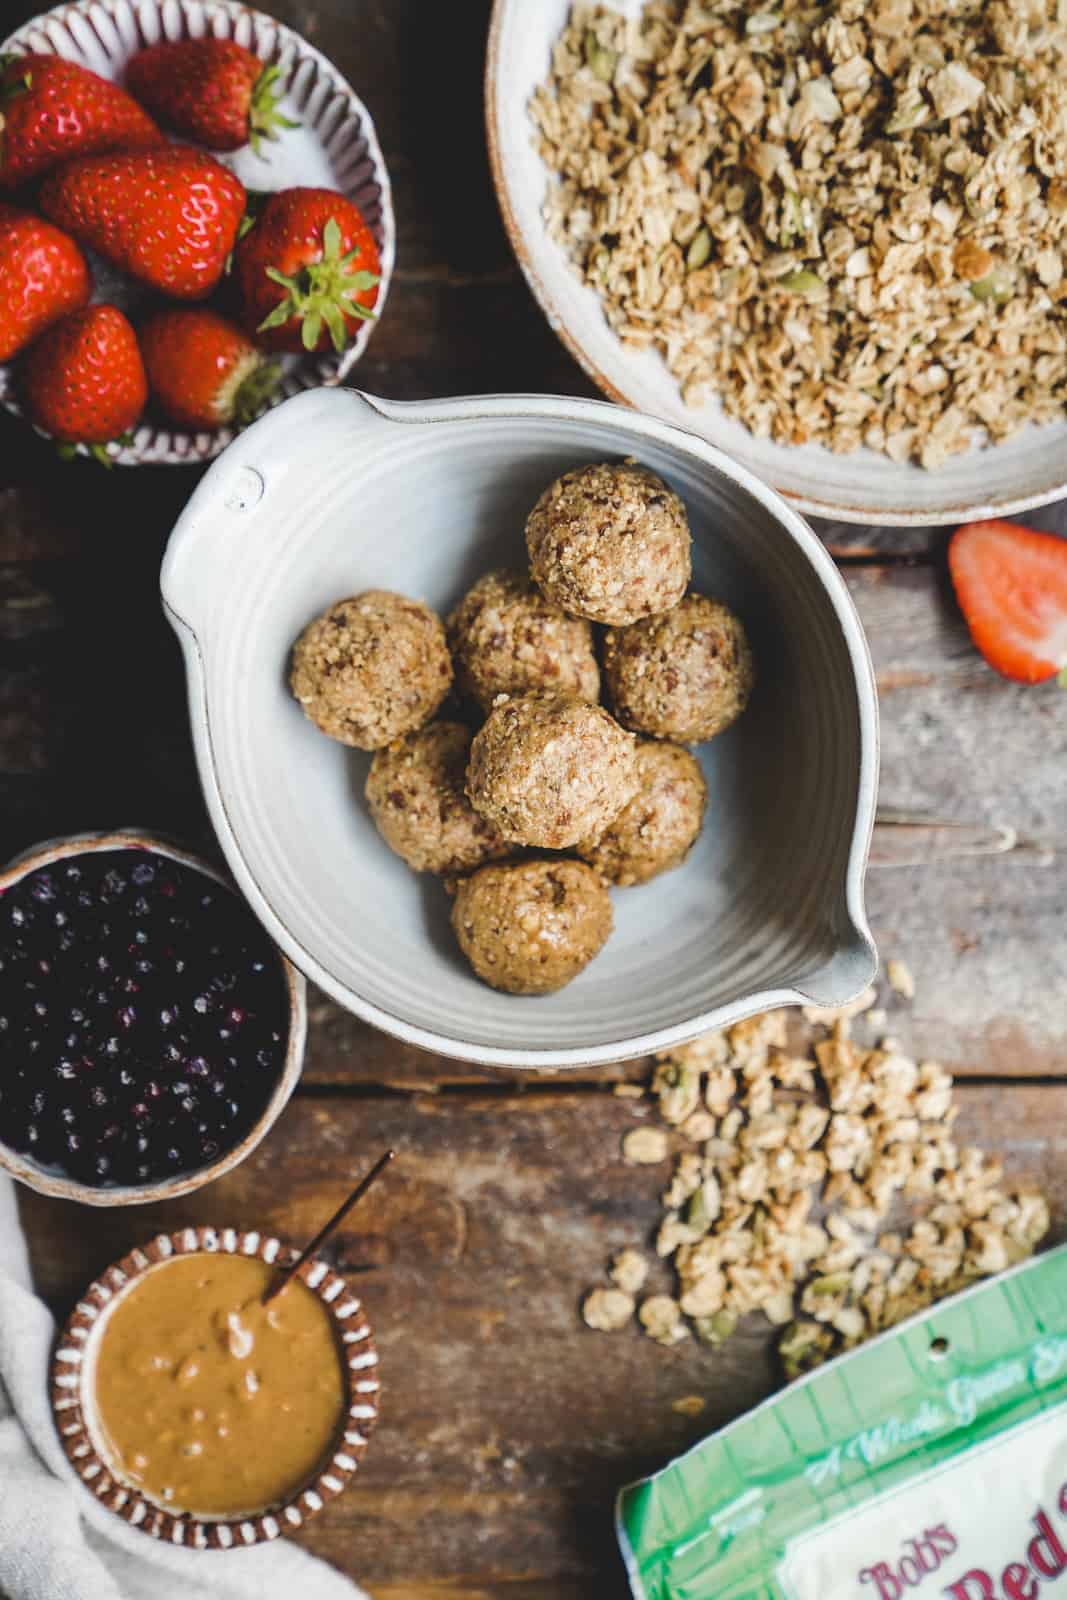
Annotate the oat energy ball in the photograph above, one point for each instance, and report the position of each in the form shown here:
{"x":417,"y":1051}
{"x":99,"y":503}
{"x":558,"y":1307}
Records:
{"x":658,"y":828}
{"x":529,"y":927}
{"x":548,"y":770}
{"x":506,"y":638}
{"x":611,"y":543}
{"x":371,"y":668}
{"x":415,"y":794}
{"x":685,"y":676}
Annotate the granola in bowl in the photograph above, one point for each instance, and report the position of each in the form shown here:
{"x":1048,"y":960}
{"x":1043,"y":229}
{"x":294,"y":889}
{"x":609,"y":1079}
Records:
{"x":846,"y":222}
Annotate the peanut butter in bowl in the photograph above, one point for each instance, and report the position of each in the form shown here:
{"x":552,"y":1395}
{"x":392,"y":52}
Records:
{"x":210,"y":1401}
{"x":201,"y":1414}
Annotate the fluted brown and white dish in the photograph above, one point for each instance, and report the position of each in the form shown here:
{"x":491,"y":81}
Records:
{"x":46,"y":1179}
{"x":333,"y":146}
{"x":77,"y":1421}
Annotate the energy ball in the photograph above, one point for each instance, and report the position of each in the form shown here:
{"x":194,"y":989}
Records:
{"x":371,"y":668}
{"x":529,"y":927}
{"x":506,"y":638}
{"x":610,"y":543}
{"x":415,"y":794}
{"x":684,"y":676}
{"x":658,"y":828}
{"x":548,"y":770}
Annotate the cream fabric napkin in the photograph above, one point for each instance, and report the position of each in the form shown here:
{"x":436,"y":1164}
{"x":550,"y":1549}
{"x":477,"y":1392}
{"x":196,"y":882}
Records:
{"x":56,"y":1541}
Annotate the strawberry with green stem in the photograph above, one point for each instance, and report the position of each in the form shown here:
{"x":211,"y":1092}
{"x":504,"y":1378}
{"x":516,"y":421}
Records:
{"x":84,"y":381}
{"x":202,"y":371}
{"x":211,"y":90}
{"x":52,"y":110}
{"x":169,"y":217}
{"x":43,"y":275}
{"x":307,"y":271}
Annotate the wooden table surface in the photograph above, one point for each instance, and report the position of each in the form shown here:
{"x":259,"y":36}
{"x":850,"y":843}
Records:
{"x":507,"y":1426}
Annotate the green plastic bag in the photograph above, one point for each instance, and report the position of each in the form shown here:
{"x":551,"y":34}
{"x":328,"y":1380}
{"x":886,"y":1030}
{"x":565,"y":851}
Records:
{"x":931,"y":1463}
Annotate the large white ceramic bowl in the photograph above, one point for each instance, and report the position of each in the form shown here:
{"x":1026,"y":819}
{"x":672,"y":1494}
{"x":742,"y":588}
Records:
{"x":333,"y":146}
{"x":866,"y":487}
{"x":335,"y":492}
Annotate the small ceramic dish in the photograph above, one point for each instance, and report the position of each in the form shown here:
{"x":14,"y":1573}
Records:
{"x":334,"y":146}
{"x":337,"y":492}
{"x":72,"y":1378}
{"x":46,"y":1179}
{"x":865,"y":487}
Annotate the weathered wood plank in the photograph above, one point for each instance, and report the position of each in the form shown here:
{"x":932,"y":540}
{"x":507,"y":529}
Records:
{"x":985,"y":937}
{"x":93,"y":731}
{"x":507,"y":1425}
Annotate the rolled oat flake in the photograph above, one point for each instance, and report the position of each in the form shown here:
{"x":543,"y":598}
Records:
{"x":931,"y":1463}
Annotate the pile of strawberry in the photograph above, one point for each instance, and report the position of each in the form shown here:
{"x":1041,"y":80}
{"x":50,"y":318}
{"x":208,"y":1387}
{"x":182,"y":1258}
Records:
{"x":84,"y":164}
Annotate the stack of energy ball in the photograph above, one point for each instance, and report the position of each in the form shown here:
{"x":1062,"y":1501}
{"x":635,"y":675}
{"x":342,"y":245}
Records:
{"x":548,"y":769}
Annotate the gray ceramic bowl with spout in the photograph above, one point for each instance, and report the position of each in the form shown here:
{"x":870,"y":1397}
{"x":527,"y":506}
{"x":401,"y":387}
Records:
{"x":335,"y":492}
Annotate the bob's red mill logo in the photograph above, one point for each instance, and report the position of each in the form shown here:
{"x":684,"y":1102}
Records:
{"x":934,"y":1554}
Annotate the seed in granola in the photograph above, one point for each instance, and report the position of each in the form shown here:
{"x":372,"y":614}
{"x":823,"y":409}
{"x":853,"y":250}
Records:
{"x":644,"y":1147}
{"x":607,"y":1310}
{"x":689,"y":1405}
{"x":629,"y":1270}
{"x":661,"y":1318}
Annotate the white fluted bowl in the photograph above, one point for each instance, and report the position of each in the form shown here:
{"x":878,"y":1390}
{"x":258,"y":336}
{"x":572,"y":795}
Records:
{"x":334,"y":147}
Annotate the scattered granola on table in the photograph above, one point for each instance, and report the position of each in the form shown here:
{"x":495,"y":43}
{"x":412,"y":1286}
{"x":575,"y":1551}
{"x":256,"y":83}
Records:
{"x":845,"y":221}
{"x":781,"y":1194}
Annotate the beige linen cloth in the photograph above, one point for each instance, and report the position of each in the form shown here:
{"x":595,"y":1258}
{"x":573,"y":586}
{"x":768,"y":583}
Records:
{"x":56,"y":1541}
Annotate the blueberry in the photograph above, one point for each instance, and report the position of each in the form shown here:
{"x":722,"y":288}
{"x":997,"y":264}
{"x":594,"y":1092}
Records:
{"x":127,"y":1016}
{"x":98,"y":1097}
{"x":144,"y":872}
{"x":44,"y":888}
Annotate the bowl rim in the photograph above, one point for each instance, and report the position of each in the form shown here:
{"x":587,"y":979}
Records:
{"x":859,"y":516}
{"x":24,"y":1168}
{"x":73,"y":1417}
{"x":205,"y":445}
{"x":202,"y":506}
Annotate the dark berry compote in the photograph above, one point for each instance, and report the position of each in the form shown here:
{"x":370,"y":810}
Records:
{"x":144,"y":1018}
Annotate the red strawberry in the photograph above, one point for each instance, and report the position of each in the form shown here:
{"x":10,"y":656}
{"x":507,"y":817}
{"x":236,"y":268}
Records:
{"x":211,"y":90}
{"x":84,"y":379}
{"x":51,"y":110}
{"x":308,"y":271}
{"x":1011,"y":584}
{"x":42,"y":276}
{"x":203,"y":371}
{"x":168,"y":216}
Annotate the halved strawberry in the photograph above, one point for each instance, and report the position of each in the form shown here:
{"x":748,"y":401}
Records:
{"x":1011,"y":584}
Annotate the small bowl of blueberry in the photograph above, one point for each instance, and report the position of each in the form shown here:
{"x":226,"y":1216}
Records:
{"x":150,"y":1032}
